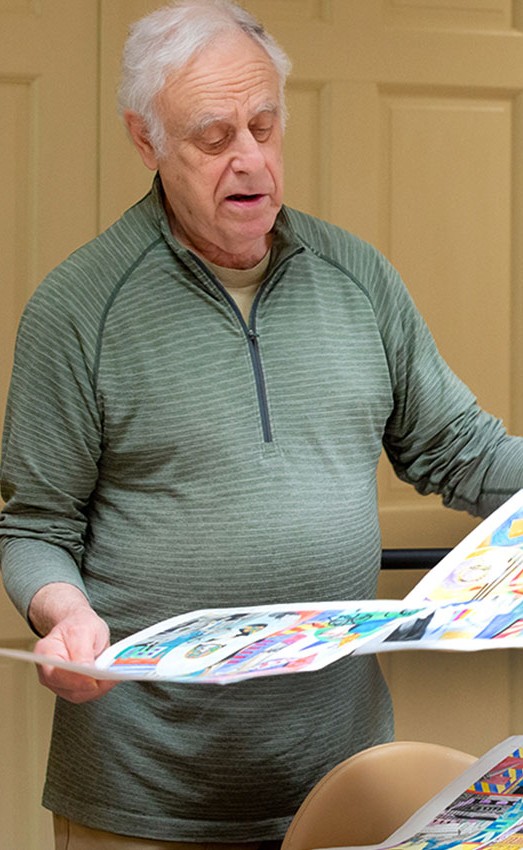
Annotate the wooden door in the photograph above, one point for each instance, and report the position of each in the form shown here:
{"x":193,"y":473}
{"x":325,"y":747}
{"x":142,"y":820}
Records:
{"x":48,"y":174}
{"x":406,"y":127}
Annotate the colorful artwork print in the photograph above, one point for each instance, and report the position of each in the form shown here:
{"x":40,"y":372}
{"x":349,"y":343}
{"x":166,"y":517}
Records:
{"x":509,"y":532}
{"x":471,"y":600}
{"x":487,"y":814}
{"x":494,"y":567}
{"x":250,"y":643}
{"x":486,"y":572}
{"x":198,"y":637}
{"x":496,"y":618}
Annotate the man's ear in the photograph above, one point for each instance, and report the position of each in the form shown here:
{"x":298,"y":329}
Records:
{"x":138,"y":133}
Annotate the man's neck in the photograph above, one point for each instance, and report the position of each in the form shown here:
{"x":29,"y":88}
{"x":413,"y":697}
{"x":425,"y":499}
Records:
{"x":241,"y":284}
{"x":246,"y":259}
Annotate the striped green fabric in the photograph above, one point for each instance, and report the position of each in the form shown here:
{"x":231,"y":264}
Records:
{"x":165,"y":457}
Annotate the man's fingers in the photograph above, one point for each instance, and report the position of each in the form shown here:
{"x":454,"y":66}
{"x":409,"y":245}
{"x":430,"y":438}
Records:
{"x":79,"y":638}
{"x":73,"y":687}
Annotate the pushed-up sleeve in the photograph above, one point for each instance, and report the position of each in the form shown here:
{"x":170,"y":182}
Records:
{"x":437,"y":437}
{"x":51,"y":443}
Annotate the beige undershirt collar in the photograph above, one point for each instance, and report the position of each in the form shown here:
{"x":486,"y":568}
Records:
{"x":241,"y":284}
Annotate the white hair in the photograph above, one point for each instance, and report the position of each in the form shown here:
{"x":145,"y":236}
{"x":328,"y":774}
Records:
{"x":167,"y":39}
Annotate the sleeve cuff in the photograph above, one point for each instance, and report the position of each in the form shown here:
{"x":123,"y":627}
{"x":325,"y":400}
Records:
{"x":29,"y":564}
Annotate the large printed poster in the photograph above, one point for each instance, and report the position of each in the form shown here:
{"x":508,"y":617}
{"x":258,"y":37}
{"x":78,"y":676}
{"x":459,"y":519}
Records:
{"x":481,"y":809}
{"x":471,"y":600}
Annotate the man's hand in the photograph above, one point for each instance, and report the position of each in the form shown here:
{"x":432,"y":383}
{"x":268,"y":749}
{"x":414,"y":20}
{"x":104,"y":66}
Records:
{"x":74,"y":632}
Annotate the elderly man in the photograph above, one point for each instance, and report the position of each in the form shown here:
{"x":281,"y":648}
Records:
{"x":205,"y":431}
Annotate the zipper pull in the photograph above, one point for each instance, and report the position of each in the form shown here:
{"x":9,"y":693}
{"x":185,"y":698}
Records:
{"x":253,"y":335}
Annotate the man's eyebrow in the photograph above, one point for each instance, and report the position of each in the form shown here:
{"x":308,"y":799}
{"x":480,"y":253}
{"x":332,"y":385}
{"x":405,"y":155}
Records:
{"x":271,"y":107}
{"x":201,"y":124}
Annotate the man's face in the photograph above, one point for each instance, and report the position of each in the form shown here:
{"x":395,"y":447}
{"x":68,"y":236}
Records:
{"x":222,"y":172}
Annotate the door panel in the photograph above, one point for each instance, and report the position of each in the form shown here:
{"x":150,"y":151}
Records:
{"x":48,"y":174}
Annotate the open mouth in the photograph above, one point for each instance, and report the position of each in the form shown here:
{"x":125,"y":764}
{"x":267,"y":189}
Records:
{"x":244,"y":198}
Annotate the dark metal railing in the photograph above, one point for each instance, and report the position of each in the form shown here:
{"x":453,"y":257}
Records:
{"x":411,"y":559}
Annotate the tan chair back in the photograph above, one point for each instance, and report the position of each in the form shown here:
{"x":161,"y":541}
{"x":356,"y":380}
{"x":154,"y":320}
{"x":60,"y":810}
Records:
{"x":366,"y":797}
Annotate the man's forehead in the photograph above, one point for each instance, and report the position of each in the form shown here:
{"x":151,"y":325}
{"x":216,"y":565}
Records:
{"x":233,"y":68}
{"x":188,"y":109}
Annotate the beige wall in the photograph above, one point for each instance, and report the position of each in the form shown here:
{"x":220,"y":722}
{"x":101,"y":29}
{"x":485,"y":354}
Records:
{"x":406,"y":127}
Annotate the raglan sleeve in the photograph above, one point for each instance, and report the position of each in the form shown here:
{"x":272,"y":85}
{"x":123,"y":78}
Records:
{"x":51,"y":445}
{"x":437,"y":437}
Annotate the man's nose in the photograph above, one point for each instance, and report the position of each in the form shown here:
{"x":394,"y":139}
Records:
{"x":248,"y":154}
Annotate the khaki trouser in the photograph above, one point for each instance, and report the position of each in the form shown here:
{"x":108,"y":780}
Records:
{"x":73,"y":836}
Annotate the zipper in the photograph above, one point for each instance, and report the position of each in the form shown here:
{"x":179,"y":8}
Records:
{"x":261,"y":388}
{"x":252,"y":337}
{"x":254,"y":350}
